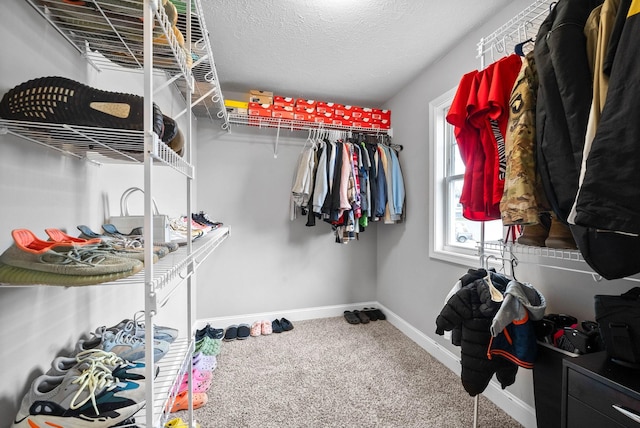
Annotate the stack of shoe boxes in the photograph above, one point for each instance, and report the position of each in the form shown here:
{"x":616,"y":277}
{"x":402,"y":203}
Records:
{"x":263,"y":104}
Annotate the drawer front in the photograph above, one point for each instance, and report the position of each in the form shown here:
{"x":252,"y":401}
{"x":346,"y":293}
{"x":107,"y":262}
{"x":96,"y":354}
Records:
{"x":602,"y":398}
{"x":579,"y":415}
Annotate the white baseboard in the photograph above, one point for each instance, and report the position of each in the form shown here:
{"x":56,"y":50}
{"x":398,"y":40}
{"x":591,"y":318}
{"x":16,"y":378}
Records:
{"x":512,"y":405}
{"x":291,"y":315}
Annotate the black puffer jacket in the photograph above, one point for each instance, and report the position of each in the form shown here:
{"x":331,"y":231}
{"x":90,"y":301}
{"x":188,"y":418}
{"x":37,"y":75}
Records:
{"x":472,"y":310}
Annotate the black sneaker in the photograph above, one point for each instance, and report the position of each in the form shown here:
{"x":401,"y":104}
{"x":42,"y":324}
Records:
{"x":60,"y":100}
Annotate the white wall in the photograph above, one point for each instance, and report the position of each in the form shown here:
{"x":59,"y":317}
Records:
{"x":409,"y":282}
{"x":41,"y":188}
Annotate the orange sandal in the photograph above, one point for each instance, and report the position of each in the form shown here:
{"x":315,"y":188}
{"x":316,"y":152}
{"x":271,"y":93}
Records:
{"x":181,"y":401}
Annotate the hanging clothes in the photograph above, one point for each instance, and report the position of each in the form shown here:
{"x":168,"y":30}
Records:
{"x":523,"y":198}
{"x":302,"y":182}
{"x":606,"y":229}
{"x":347,"y":184}
{"x":564,"y":99}
{"x":512,"y":331}
{"x":479,"y":113}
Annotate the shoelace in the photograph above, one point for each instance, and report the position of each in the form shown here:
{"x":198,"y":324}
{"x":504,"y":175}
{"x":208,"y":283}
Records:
{"x":93,"y":378}
{"x":127,"y":338}
{"x":109,"y":359}
{"x":84,"y":255}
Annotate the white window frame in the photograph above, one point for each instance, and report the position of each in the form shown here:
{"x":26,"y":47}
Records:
{"x":438,"y":212}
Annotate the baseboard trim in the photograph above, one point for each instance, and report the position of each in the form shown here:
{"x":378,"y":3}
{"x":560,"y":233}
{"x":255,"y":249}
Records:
{"x":291,"y":315}
{"x":512,"y":405}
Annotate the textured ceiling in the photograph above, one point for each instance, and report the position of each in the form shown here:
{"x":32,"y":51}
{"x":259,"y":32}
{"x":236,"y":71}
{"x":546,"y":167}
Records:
{"x":347,"y":51}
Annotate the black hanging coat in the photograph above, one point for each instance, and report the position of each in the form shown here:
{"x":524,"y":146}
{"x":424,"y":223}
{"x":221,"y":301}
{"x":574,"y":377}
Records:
{"x":472,"y":310}
{"x":564,"y":100}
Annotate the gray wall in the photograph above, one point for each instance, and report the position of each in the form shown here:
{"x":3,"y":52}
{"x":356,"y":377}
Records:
{"x":270,"y":263}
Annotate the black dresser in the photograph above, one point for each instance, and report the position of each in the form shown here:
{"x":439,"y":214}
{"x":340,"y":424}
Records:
{"x":597,"y":393}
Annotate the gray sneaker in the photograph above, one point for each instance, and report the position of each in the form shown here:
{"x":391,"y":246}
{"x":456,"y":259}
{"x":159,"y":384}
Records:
{"x":123,"y":344}
{"x":31,"y":260}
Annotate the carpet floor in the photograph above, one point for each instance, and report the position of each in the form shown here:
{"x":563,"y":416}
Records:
{"x":328,"y":373}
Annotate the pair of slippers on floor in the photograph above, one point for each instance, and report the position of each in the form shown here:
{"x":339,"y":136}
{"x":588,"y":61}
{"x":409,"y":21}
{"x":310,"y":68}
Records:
{"x":364,"y":316}
{"x":234,"y":332}
{"x":283,"y":324}
{"x":243,"y":331}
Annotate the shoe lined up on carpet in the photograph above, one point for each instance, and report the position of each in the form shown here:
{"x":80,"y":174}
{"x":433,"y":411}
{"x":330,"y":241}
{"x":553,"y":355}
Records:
{"x":258,"y":328}
{"x":102,"y":384}
{"x":364,"y":316}
{"x":60,"y":100}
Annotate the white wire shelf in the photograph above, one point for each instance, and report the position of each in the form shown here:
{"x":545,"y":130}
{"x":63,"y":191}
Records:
{"x":518,"y":29}
{"x":169,"y":271}
{"x":515,"y":249}
{"x":172,"y":367}
{"x":98,"y":145}
{"x":298,"y":125}
{"x":112,"y":38}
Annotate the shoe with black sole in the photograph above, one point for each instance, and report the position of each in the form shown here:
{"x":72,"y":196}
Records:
{"x":60,"y":100}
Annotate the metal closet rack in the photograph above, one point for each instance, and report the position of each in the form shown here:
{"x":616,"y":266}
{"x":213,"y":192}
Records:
{"x":502,"y":42}
{"x":522,"y":27}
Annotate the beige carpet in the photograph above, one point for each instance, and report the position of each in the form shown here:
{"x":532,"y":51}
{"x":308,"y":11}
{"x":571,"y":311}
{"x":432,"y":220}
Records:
{"x":328,"y":373}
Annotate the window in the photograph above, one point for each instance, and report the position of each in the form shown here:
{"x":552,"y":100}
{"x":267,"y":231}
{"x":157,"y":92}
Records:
{"x":454,"y":238}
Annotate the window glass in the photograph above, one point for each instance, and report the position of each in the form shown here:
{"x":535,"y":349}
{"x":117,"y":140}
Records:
{"x":453,"y":235}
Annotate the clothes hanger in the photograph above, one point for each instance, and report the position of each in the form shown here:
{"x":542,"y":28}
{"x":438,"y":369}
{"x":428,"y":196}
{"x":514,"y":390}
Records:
{"x":518,"y":48}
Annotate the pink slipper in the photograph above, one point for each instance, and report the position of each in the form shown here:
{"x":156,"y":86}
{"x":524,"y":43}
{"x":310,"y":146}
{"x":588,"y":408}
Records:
{"x":256,"y":328}
{"x":266,"y":327}
{"x":201,"y":381}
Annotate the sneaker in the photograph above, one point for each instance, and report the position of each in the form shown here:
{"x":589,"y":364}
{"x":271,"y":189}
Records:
{"x":31,"y":260}
{"x":58,"y":235}
{"x":122,"y":246}
{"x":107,"y":245}
{"x":172,"y":136}
{"x":136,"y":328}
{"x":213,"y":333}
{"x":119,"y":367}
{"x":178,"y":230}
{"x":126,"y":346}
{"x":159,"y":250}
{"x":204,"y":218}
{"x":60,"y":100}
{"x":87,"y":395}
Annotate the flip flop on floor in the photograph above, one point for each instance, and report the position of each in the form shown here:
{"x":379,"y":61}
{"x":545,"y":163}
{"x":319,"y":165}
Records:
{"x":351,"y":317}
